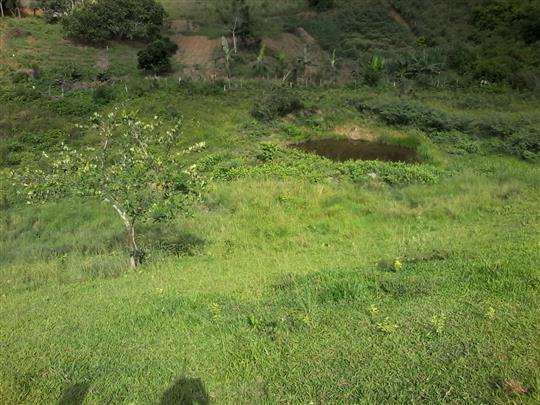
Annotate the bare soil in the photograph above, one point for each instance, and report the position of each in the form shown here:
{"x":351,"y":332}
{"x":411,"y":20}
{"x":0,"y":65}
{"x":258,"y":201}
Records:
{"x":199,"y":55}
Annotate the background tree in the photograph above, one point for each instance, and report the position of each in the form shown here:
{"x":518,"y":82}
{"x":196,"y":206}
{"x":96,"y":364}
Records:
{"x":227,"y":52}
{"x":11,"y":7}
{"x":135,"y":170}
{"x":321,"y":5}
{"x":237,"y":16}
{"x":100,"y":21}
{"x":156,"y":57}
{"x":54,"y":10}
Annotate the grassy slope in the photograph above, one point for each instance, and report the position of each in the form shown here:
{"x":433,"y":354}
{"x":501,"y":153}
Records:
{"x":284,"y":299}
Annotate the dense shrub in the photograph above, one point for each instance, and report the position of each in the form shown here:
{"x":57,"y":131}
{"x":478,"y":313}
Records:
{"x":321,"y":5}
{"x":202,"y":87}
{"x":54,"y":10}
{"x":277,"y":103}
{"x":237,"y":17}
{"x":278,"y":162}
{"x":525,"y":143}
{"x":414,"y":114}
{"x":106,"y":20}
{"x":156,"y":56}
{"x":103,"y":95}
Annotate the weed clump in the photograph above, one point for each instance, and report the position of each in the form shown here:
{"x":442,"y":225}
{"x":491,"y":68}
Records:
{"x":413,"y":114}
{"x":278,"y":103}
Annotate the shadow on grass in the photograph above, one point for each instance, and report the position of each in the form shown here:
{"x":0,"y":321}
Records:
{"x":186,"y":391}
{"x":75,"y":394}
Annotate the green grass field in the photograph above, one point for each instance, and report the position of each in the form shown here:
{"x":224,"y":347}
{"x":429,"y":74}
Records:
{"x":282,"y":285}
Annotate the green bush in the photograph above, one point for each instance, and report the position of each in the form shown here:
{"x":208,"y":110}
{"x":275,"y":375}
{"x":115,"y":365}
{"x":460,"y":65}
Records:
{"x":54,"y":10}
{"x":321,"y":5}
{"x":202,"y":87}
{"x":277,"y":103}
{"x":525,"y":143}
{"x":104,"y":20}
{"x":103,"y":95}
{"x":403,"y":112}
{"x":156,"y":56}
{"x":276,"y":162}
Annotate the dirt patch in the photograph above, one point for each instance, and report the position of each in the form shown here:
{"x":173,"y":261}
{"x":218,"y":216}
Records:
{"x":102,"y":61}
{"x":17,"y":33}
{"x":514,"y":386}
{"x":305,"y":37}
{"x":341,"y":150}
{"x":297,"y":46}
{"x":396,"y":15}
{"x":355,"y":132}
{"x":285,"y":43}
{"x":199,"y":54}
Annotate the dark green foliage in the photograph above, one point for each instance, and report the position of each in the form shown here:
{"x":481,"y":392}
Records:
{"x":458,"y":132}
{"x":461,"y":58}
{"x":525,"y":143}
{"x":353,"y":30}
{"x":103,"y":76}
{"x":55,"y":10}
{"x":284,"y":163}
{"x":321,"y":5}
{"x":103,"y":95}
{"x":122,"y":19}
{"x":277,"y":103}
{"x":156,"y":56}
{"x":202,"y":87}
{"x":70,"y":72}
{"x":518,"y":19}
{"x":414,"y":114}
{"x":237,"y":16}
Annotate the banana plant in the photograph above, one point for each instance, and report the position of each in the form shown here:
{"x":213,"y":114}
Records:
{"x":228,"y":55}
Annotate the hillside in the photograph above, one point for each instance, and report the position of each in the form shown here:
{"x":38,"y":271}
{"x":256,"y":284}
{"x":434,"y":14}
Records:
{"x":346,"y":210}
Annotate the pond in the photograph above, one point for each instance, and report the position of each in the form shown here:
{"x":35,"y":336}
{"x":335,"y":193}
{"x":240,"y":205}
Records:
{"x":341,"y":150}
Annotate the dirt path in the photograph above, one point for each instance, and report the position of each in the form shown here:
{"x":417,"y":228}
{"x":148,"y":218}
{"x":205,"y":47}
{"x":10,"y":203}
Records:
{"x":102,"y":61}
{"x":395,"y":15}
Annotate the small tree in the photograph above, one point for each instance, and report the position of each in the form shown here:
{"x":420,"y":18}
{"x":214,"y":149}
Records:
{"x":228,"y":55}
{"x":156,"y":56}
{"x":260,"y":67}
{"x":12,"y":6}
{"x":236,"y":15}
{"x":135,"y":170}
{"x":99,"y":21}
{"x":374,"y":71}
{"x":54,"y":10}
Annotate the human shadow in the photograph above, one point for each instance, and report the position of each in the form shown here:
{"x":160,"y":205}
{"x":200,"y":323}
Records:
{"x":75,"y":394}
{"x":186,"y":391}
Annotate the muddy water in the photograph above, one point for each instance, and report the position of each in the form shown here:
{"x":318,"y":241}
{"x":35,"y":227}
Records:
{"x":342,"y":150}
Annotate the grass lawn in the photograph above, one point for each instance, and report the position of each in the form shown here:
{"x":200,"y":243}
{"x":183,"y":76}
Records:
{"x":296,"y":280}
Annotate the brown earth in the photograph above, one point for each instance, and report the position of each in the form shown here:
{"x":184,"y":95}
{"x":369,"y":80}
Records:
{"x":102,"y":61}
{"x":355,"y":132}
{"x":285,"y":43}
{"x":395,"y":15}
{"x":17,"y":33}
{"x":199,"y":55}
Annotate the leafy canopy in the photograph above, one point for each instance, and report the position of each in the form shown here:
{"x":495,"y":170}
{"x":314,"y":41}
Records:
{"x":104,"y":20}
{"x":135,"y":169}
{"x":156,"y":56}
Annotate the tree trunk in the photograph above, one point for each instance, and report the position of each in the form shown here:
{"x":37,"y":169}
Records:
{"x":234,"y":35}
{"x":2,"y":8}
{"x":134,"y":255}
